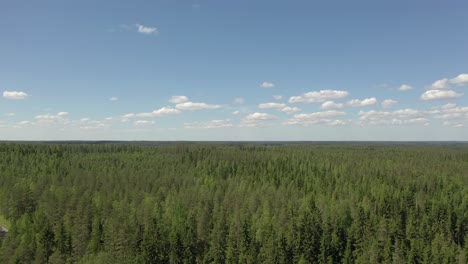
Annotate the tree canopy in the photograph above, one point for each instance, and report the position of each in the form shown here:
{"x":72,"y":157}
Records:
{"x":219,"y":203}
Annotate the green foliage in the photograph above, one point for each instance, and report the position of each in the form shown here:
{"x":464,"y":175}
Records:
{"x":213,"y":203}
{"x":4,"y":222}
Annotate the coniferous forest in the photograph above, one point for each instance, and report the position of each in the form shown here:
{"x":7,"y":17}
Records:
{"x":234,"y":203}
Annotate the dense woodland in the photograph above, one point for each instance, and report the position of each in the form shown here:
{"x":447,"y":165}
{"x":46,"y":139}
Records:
{"x":215,"y":203}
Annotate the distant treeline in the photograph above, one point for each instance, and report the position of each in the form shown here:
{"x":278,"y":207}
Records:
{"x":237,"y":203}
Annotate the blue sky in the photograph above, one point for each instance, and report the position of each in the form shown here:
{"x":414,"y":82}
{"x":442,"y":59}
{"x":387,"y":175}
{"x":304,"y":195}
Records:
{"x":233,"y":70}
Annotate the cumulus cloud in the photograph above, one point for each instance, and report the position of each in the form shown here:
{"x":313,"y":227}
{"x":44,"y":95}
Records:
{"x":143,"y":123}
{"x":326,"y":117}
{"x":238,"y":101}
{"x":398,"y":117}
{"x":289,"y":110}
{"x":260,"y":117}
{"x":24,"y":123}
{"x":448,"y":106}
{"x":339,"y":123}
{"x":318,"y":97}
{"x":257,"y":119}
{"x":453,"y":124}
{"x":364,"y":102}
{"x":93,"y":126}
{"x":267,"y":85}
{"x":90,"y":124}
{"x":271,"y":105}
{"x":331,"y":105}
{"x":450,"y":111}
{"x":440,"y":94}
{"x":277,"y":97}
{"x":164,"y":111}
{"x":178,"y":99}
{"x":146,"y":30}
{"x":280,"y":107}
{"x":388,"y":103}
{"x":405,"y":87}
{"x":450,"y":115}
{"x":191,"y":106}
{"x":225,"y":123}
{"x":460,"y":80}
{"x":15,"y":95}
{"x":395,"y":121}
{"x":61,"y":121}
{"x":182,"y":103}
{"x":60,"y":118}
{"x":113,"y":99}
{"x":440,"y":84}
{"x":236,"y":112}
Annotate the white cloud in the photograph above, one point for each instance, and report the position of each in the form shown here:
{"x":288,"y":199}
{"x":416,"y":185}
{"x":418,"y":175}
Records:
{"x":453,"y":115}
{"x":338,"y":123}
{"x":271,"y":105}
{"x":448,"y":106}
{"x":146,"y":30}
{"x":439,"y":94}
{"x":52,"y":119}
{"x":331,"y":105}
{"x":405,"y":87}
{"x":326,"y":117}
{"x":182,"y":103}
{"x":60,"y":116}
{"x":277,"y":97}
{"x":113,"y":99}
{"x":289,"y":110}
{"x":89,"y":124}
{"x":267,"y":85}
{"x":451,"y":111}
{"x":460,"y":80}
{"x":408,"y":112}
{"x":15,"y":95}
{"x":143,"y":123}
{"x":260,"y":116}
{"x":164,"y":111}
{"x":280,"y":107}
{"x":440,"y":84}
{"x":178,"y":99}
{"x":210,"y":124}
{"x":93,"y":126}
{"x":453,"y":124}
{"x":10,"y":114}
{"x":318,"y":97}
{"x":398,"y":117}
{"x":236,"y":112}
{"x":25,"y":123}
{"x":191,"y":106}
{"x":359,"y":103}
{"x":257,"y":119}
{"x":238,"y":101}
{"x":388,"y":103}
{"x":403,"y":113}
